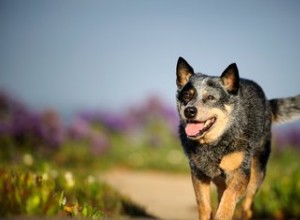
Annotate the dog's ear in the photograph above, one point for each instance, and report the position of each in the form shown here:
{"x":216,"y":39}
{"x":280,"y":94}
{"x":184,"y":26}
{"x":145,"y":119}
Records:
{"x":184,"y":72}
{"x":231,"y":79}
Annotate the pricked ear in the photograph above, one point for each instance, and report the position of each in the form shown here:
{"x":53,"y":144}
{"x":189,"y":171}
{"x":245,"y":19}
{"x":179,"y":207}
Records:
{"x":231,"y":79}
{"x":184,"y":72}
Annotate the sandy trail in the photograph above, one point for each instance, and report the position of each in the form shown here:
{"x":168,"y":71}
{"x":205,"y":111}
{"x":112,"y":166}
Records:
{"x":167,"y":196}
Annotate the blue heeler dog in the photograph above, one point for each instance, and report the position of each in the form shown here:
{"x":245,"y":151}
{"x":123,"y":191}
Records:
{"x":225,"y":131}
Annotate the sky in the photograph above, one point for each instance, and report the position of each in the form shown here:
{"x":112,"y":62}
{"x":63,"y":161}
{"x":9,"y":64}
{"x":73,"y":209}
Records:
{"x":111,"y":54}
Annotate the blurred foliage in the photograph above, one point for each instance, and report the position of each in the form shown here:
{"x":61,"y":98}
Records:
{"x":57,"y":193}
{"x":53,"y":193}
{"x":279,"y":195}
{"x":42,"y":158}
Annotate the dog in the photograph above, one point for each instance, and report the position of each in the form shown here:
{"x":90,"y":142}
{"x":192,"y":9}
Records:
{"x":225,"y":131}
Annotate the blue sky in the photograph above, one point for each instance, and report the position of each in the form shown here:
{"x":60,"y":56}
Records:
{"x":108,"y":54}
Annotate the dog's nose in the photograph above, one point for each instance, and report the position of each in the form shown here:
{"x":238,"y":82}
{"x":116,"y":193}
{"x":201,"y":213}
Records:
{"x":190,"y":112}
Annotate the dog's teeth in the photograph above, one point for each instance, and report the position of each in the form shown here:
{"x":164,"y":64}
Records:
{"x":207,"y":123}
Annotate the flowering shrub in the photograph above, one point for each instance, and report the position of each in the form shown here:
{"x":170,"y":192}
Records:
{"x":28,"y":128}
{"x":153,"y":122}
{"x":287,"y":136}
{"x":45,"y":131}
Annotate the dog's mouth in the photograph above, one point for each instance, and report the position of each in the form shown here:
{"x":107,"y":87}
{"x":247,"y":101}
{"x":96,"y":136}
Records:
{"x":196,"y":129}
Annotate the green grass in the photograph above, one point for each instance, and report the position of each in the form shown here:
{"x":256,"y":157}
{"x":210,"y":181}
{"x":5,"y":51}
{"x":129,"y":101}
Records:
{"x":60,"y":193}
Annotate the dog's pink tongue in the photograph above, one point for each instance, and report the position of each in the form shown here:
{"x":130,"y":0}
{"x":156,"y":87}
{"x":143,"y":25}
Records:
{"x":192,"y":129}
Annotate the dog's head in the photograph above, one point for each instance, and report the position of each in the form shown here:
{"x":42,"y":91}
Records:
{"x":205,"y":103}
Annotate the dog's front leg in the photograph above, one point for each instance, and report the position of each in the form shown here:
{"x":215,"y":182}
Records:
{"x":236,"y":185}
{"x":202,"y":192}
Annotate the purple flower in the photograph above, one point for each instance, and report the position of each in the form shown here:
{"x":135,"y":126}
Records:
{"x":52,"y":128}
{"x":30,"y":128}
{"x":287,"y":136}
{"x":79,"y":128}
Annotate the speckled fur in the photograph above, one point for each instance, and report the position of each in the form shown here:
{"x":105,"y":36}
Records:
{"x":248,"y":130}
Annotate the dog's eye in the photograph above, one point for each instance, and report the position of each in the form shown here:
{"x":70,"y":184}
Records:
{"x":210,"y":97}
{"x":186,"y":96}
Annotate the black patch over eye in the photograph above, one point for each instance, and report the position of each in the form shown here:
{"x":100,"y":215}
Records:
{"x":187,"y":95}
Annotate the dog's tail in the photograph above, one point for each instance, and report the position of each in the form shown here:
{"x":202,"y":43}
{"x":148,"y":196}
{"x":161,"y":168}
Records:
{"x":285,"y":109}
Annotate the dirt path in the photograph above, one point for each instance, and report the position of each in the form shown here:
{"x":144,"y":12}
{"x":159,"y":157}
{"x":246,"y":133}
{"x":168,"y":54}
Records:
{"x":167,"y":196}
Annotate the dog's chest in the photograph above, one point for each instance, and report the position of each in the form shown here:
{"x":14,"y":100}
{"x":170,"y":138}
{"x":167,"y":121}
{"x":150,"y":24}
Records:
{"x":207,"y":162}
{"x":215,"y":163}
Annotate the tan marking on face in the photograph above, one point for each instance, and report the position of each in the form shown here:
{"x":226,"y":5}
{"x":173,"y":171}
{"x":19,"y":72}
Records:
{"x":219,"y":126}
{"x":204,"y":93}
{"x":231,"y":161}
